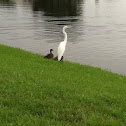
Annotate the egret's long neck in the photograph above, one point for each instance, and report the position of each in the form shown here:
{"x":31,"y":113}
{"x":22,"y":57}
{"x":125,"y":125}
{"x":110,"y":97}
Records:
{"x":65,"y":35}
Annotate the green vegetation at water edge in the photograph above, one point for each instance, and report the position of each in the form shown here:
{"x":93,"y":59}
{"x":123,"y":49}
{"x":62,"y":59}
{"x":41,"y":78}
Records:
{"x":38,"y":92}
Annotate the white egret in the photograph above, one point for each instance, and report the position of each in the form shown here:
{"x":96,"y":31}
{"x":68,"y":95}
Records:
{"x":50,"y":55}
{"x":62,"y":45}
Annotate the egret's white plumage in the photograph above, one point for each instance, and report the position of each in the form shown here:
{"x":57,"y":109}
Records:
{"x":61,"y":50}
{"x":62,"y":45}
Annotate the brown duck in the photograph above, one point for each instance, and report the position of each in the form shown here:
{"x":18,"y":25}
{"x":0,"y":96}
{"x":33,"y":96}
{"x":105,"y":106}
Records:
{"x":56,"y":58}
{"x":50,"y":55}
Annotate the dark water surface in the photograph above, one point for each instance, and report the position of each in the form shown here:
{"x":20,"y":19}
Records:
{"x":98,"y":36}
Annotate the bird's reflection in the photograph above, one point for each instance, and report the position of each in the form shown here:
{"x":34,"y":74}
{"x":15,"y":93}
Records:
{"x":96,"y":1}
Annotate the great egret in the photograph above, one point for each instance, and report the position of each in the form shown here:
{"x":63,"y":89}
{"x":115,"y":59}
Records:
{"x":50,"y":55}
{"x":62,"y":45}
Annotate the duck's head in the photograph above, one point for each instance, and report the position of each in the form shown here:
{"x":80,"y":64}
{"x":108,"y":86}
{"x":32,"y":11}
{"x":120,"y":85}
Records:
{"x":51,"y":50}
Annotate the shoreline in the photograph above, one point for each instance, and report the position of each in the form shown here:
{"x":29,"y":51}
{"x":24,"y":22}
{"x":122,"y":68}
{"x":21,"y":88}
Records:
{"x":104,"y":69}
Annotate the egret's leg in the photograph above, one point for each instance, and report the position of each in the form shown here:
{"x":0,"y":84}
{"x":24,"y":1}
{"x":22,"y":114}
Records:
{"x":61,"y":58}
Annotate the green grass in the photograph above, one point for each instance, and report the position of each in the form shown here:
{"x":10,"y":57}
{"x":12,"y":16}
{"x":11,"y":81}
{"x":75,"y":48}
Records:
{"x":39,"y":92}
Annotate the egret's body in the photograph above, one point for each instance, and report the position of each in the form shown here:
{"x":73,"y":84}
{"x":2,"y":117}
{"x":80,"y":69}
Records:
{"x":61,"y":50}
{"x":62,"y":45}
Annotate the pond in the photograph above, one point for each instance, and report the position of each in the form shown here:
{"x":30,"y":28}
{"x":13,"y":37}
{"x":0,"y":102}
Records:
{"x":98,"y":36}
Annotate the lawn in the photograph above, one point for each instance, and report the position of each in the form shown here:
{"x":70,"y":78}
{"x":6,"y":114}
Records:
{"x":38,"y":92}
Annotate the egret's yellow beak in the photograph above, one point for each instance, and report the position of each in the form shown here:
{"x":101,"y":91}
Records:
{"x":69,"y":26}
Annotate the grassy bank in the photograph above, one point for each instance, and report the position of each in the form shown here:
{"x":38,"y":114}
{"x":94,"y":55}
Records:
{"x":39,"y":92}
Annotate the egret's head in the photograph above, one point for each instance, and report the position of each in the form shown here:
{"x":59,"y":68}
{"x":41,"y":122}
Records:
{"x":67,"y":27}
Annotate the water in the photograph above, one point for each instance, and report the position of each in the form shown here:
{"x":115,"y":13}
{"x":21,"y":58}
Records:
{"x":98,"y":36}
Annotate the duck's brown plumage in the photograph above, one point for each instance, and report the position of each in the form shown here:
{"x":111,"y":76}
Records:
{"x":56,"y":58}
{"x":50,"y":55}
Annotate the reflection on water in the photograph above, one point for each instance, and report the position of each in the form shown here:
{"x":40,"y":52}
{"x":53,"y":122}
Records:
{"x":6,"y":3}
{"x":57,"y":8}
{"x":96,"y":1}
{"x":97,"y":37}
